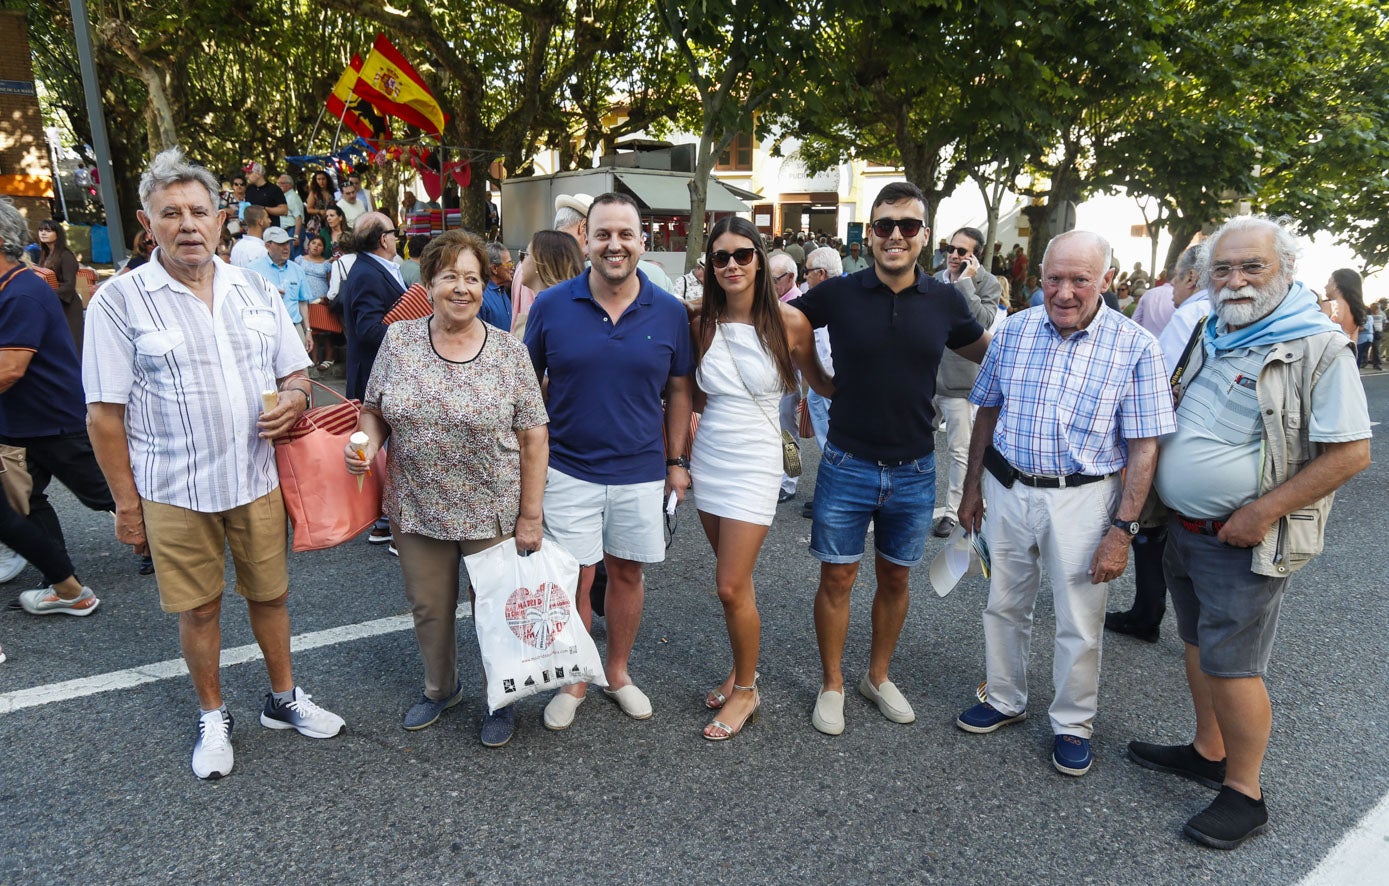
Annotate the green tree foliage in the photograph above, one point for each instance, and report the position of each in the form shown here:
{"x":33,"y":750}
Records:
{"x":950,"y":90}
{"x":1335,"y":174}
{"x":740,"y":56}
{"x":240,"y":81}
{"x":1280,"y":104}
{"x":230,"y":81}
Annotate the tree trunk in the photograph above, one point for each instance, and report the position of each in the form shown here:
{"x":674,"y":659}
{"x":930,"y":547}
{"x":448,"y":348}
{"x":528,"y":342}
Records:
{"x":699,"y":199}
{"x":1040,"y":236}
{"x":473,"y":199}
{"x":1183,"y":231}
{"x":118,"y":35}
{"x":992,"y":192}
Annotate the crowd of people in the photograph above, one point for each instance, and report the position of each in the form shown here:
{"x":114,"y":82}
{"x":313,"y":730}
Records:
{"x":554,"y":401}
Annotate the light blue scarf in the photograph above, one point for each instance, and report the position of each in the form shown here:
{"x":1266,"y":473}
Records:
{"x":1297,"y":316}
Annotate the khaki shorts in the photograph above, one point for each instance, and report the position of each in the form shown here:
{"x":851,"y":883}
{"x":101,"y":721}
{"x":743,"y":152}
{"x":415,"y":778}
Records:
{"x":190,"y":551}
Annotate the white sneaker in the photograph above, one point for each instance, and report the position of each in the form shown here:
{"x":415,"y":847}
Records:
{"x":11,"y":564}
{"x":45,"y":601}
{"x":302,"y":715}
{"x":212,"y":752}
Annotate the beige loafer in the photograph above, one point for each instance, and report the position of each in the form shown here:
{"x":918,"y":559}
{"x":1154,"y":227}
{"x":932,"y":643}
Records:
{"x":828,"y":716}
{"x":559,"y":713}
{"x":632,"y":700}
{"x":889,"y":700}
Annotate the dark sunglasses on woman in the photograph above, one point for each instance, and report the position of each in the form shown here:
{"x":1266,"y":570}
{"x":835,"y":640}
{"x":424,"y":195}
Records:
{"x":742,"y":256}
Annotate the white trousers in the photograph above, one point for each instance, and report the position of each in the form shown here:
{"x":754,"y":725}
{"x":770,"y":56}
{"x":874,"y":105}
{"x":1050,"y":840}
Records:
{"x":958,"y":415}
{"x":1057,"y":530}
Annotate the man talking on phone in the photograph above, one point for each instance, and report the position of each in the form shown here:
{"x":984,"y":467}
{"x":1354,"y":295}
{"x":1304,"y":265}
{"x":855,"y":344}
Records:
{"x":982,"y":292}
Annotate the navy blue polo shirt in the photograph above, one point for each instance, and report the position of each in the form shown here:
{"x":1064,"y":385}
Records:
{"x":606,"y":379}
{"x":48,"y":400}
{"x":887,"y":347}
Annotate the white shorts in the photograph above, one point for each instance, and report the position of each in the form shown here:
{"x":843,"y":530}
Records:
{"x":589,"y":519}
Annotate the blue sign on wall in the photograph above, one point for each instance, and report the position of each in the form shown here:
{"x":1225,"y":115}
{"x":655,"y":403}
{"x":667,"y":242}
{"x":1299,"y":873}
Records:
{"x":17,"y":87}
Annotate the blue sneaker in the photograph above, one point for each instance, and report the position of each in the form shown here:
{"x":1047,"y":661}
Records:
{"x":499,"y":726}
{"x":426,"y":711}
{"x":984,"y":718}
{"x":1070,"y":754}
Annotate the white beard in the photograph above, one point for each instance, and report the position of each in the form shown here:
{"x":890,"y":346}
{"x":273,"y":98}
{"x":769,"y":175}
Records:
{"x":1262,"y":304}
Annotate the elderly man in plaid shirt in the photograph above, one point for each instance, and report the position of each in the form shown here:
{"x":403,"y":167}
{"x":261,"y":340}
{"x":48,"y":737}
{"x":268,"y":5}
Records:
{"x":1072,"y":397}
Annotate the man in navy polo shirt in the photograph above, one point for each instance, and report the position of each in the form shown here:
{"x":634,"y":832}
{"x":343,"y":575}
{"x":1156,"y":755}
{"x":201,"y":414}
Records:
{"x":41,"y":405}
{"x":888,"y":327}
{"x":612,"y":344}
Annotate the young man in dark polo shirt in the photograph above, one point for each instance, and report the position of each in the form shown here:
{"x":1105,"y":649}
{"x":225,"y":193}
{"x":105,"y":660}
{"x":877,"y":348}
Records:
{"x":41,"y":405}
{"x":888,"y":327}
{"x":260,"y":192}
{"x":611,"y":343}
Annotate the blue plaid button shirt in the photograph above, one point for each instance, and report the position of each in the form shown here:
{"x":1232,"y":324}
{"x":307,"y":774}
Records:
{"x":1070,"y":404}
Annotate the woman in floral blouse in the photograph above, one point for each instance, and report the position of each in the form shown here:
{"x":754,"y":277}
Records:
{"x":465,"y":468}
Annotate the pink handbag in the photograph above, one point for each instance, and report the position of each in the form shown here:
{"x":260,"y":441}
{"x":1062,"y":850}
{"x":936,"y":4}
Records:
{"x":325,"y":505}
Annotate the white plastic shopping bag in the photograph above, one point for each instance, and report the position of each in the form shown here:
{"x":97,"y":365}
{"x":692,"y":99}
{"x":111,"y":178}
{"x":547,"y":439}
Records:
{"x":528,"y":628}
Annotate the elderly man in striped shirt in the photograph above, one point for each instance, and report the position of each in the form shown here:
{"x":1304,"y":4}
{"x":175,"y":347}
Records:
{"x":192,"y":368}
{"x":1072,"y":396}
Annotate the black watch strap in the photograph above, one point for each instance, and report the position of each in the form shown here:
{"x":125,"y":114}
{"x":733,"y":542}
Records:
{"x":1129,"y":526}
{"x":680,"y":462}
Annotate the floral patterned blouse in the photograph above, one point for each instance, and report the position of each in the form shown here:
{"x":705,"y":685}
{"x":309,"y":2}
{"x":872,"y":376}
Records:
{"x":453,"y":464}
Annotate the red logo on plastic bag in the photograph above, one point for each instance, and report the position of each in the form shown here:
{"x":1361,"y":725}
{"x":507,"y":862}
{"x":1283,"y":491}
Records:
{"x":538,"y":616}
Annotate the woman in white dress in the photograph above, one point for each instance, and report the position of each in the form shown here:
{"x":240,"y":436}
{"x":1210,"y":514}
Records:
{"x":749,"y":345}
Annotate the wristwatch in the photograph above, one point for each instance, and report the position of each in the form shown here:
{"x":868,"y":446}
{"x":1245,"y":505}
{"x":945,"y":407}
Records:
{"x":1129,"y":526}
{"x":680,"y":462}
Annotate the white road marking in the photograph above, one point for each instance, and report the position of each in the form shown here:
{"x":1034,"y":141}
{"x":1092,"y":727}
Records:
{"x":67,"y":690}
{"x":1362,"y":856}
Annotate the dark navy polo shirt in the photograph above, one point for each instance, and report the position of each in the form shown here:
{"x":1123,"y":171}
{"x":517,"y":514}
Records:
{"x":606,"y":379}
{"x":887,"y":347}
{"x":48,"y":400}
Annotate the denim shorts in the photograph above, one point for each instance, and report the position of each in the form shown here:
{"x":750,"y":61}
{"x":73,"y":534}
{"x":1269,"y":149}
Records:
{"x":850,"y":491}
{"x":1223,"y":607}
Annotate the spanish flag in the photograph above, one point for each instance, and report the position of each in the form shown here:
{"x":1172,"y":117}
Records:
{"x":389,"y":83}
{"x":355,"y":111}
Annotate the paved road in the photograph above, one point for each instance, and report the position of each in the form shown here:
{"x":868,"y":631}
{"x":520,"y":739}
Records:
{"x":97,"y":788}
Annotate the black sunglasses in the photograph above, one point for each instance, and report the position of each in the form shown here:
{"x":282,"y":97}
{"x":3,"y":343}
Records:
{"x":909,"y":227}
{"x":742,"y":256}
{"x":961,"y":251}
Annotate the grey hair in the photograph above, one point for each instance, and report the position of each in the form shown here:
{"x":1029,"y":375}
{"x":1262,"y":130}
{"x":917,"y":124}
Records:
{"x":1193,"y":257}
{"x":781,"y":263}
{"x":495,"y":253}
{"x":14,"y":231}
{"x":170,"y":168}
{"x":1100,"y":243}
{"x":567,"y":218}
{"x":827,"y":257}
{"x":1284,"y":245}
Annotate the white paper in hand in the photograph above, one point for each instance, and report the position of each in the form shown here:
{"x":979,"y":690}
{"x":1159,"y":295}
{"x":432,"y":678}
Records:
{"x":528,"y":628}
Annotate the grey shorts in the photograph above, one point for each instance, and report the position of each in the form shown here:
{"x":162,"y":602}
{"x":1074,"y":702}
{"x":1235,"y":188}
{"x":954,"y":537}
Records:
{"x":1222,"y":607}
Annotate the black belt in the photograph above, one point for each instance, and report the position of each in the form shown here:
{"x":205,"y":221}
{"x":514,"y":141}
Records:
{"x":886,"y":462}
{"x":1006,"y":474}
{"x":890,"y":462}
{"x":1060,"y":482}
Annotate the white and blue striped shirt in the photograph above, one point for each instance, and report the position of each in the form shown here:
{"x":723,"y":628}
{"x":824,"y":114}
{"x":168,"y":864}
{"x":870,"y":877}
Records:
{"x":1070,"y":404}
{"x":191,"y":380}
